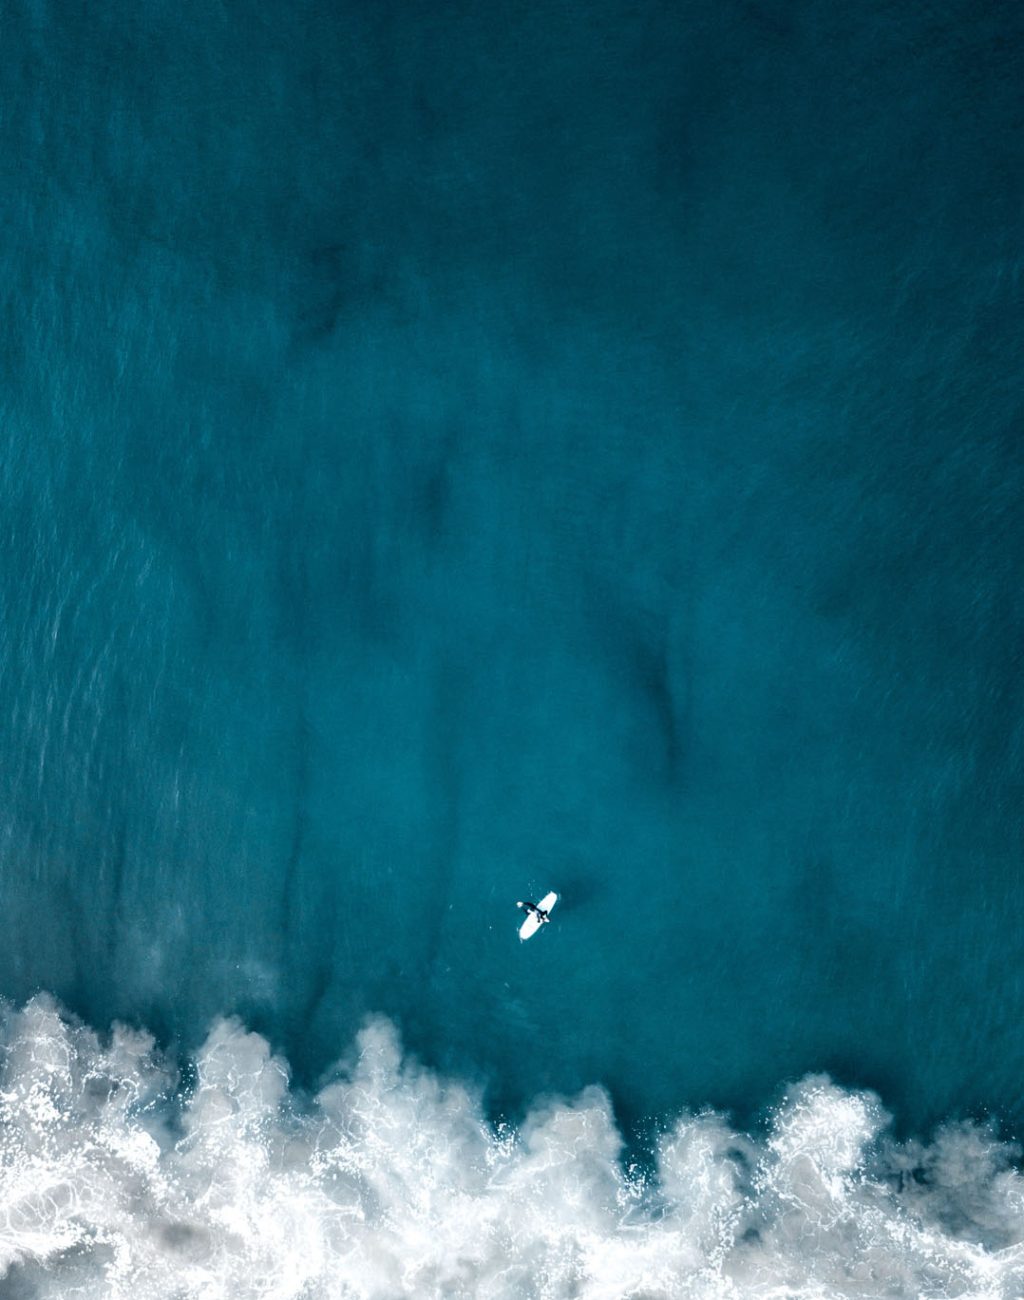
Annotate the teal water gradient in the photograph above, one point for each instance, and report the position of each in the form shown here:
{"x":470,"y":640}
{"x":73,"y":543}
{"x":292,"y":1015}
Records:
{"x":450,"y":453}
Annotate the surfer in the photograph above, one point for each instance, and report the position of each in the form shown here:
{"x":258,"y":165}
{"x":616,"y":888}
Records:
{"x":537,"y":914}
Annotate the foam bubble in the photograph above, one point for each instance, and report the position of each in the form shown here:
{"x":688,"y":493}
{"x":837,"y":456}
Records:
{"x":116,"y":1181}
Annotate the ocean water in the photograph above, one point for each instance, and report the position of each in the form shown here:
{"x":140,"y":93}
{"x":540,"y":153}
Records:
{"x":451,"y":452}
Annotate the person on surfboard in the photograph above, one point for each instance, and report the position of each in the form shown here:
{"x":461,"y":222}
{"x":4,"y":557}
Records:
{"x":534,"y":910}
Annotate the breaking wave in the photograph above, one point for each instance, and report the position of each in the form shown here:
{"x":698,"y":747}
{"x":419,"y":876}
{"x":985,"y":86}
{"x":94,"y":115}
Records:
{"x":120,"y":1179}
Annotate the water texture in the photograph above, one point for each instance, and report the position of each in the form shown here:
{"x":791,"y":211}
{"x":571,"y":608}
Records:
{"x":450,"y":452}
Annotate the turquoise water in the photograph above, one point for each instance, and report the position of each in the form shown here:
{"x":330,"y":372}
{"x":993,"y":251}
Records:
{"x":454,"y":452}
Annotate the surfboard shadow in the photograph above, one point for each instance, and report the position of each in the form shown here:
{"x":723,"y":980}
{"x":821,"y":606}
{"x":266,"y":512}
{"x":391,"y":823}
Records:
{"x":575,"y":890}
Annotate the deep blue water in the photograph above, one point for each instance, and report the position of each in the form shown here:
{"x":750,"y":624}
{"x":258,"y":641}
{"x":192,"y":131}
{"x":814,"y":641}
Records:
{"x":454,"y":451}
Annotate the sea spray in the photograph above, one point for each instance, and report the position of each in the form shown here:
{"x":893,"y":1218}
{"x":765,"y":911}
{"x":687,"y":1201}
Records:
{"x":119,"y":1178}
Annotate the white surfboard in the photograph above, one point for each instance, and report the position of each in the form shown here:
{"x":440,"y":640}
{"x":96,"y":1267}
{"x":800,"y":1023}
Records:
{"x":531,"y":925}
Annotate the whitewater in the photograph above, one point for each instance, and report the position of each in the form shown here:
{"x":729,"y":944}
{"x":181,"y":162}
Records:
{"x":122,"y":1175}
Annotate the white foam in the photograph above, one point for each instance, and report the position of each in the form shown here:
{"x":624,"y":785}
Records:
{"x":116,"y":1184}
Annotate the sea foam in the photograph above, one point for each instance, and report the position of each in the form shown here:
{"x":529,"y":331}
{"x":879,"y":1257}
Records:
{"x":119,"y":1178}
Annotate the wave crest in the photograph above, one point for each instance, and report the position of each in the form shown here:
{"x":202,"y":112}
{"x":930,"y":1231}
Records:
{"x":117,"y":1182}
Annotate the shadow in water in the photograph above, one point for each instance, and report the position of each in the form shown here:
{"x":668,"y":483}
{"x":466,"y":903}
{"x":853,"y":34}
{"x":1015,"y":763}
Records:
{"x":575,"y":888}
